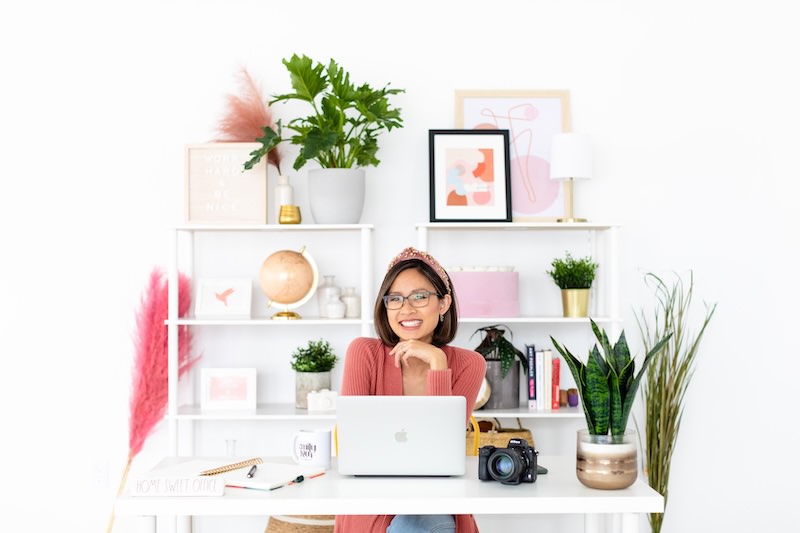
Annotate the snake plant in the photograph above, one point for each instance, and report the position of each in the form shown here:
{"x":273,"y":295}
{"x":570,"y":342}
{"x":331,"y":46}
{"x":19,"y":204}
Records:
{"x":607,"y":383}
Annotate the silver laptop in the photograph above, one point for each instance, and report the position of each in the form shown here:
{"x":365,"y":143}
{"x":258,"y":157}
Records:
{"x":401,"y":435}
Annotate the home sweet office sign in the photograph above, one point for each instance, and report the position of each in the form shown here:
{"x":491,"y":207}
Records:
{"x":217,"y":191}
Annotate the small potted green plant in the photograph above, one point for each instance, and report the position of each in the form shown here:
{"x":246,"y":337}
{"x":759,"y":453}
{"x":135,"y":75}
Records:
{"x":574,"y":276}
{"x":501,"y":372}
{"x":340,"y":134}
{"x":312,"y":364}
{"x":607,"y":385}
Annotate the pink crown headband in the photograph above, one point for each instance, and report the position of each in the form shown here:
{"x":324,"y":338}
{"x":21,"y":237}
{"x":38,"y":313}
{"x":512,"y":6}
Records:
{"x":412,"y":253}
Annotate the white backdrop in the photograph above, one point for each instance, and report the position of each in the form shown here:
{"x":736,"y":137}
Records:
{"x":692,"y":108}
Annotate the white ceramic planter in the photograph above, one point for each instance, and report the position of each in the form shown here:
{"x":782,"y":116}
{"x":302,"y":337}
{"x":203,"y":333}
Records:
{"x":336,"y":195}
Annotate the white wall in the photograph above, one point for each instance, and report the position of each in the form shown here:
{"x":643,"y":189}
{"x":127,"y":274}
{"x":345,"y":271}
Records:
{"x":692,"y":106}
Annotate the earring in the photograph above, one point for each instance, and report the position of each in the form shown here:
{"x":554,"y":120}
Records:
{"x":441,"y":318}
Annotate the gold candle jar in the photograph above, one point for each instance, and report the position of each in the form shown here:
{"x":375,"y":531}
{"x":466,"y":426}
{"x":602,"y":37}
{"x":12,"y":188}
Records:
{"x":290,"y":214}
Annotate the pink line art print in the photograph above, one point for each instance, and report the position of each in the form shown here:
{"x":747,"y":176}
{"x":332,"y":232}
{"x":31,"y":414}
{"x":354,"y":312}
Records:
{"x":531,"y":120}
{"x":470,"y":177}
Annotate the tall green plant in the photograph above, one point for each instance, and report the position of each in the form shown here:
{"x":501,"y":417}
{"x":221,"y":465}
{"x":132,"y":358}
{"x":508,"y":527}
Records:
{"x":607,"y":383}
{"x":345,"y":121}
{"x":668,"y":378}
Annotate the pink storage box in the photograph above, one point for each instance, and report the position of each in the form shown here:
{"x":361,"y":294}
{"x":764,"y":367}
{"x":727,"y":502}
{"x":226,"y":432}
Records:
{"x":486,"y":294}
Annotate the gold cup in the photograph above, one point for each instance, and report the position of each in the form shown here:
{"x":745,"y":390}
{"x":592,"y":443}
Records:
{"x":290,"y":214}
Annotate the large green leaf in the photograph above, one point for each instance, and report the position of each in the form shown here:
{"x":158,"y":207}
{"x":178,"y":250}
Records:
{"x":631,"y":396}
{"x":598,"y":396}
{"x":578,"y":370}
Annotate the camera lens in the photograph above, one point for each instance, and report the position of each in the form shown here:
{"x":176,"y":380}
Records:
{"x":504,"y":466}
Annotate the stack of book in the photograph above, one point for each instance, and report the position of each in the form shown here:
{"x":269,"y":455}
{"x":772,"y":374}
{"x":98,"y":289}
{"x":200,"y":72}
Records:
{"x":544,"y":379}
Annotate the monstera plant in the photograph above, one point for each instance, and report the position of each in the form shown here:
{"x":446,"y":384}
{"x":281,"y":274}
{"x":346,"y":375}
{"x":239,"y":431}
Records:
{"x":607,"y":382}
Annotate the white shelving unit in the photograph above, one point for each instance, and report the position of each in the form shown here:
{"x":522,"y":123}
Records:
{"x":180,"y":418}
{"x":598,"y":240}
{"x":189,"y":249}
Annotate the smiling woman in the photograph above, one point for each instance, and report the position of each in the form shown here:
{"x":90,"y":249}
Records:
{"x":415,"y":317}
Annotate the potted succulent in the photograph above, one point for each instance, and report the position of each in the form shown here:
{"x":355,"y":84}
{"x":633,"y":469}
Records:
{"x":501,"y":371}
{"x":340,"y":133}
{"x":607,"y":385}
{"x":574,"y":276}
{"x":312,"y":364}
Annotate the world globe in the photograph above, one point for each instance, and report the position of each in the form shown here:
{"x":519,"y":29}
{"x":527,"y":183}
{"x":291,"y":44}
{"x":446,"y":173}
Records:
{"x":289,"y":279}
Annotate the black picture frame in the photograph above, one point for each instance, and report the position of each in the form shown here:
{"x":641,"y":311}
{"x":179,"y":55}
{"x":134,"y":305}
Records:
{"x":463,"y":186}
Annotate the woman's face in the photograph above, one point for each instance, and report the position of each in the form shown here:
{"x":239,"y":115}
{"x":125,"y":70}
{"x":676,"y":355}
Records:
{"x":411,"y":322}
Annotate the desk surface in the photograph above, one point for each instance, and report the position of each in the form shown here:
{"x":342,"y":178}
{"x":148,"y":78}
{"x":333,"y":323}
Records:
{"x":558,"y":492}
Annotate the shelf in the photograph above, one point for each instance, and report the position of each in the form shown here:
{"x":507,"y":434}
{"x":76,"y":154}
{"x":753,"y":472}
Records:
{"x":358,"y":322}
{"x":269,"y":322}
{"x":535,"y":320}
{"x":273,"y":227}
{"x":280,"y":411}
{"x":288,"y":411}
{"x":548,"y":226}
{"x":523,"y":412}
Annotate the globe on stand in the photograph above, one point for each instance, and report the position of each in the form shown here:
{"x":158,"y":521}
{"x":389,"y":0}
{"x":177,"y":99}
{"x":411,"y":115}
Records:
{"x":289,"y":280}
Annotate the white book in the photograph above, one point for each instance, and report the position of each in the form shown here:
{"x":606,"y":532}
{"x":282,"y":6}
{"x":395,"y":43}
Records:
{"x":548,"y":380}
{"x":540,"y":380}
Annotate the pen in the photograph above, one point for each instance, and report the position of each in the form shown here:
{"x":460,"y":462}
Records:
{"x":298,"y":479}
{"x":252,"y":471}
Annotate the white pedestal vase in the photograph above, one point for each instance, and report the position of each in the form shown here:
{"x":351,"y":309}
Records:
{"x":336,"y":195}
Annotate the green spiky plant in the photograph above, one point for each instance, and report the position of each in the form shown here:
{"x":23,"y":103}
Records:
{"x":317,"y":356}
{"x":494,"y":346}
{"x":343,"y":127}
{"x":607,"y":383}
{"x":668,"y":378}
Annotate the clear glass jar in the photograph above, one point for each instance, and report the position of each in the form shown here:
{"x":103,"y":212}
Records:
{"x":327,"y":292}
{"x":352,"y":303}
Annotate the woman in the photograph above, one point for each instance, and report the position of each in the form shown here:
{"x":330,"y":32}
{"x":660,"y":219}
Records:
{"x":415,"y":318}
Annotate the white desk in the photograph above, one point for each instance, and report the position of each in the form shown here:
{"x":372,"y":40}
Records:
{"x":558,"y":492}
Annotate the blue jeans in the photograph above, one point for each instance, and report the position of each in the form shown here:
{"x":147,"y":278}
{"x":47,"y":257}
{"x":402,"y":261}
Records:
{"x":422,"y":523}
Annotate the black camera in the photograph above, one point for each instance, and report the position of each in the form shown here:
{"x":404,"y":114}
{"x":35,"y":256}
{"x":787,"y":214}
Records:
{"x":512,"y":465}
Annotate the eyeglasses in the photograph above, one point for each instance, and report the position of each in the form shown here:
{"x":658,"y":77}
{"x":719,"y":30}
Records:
{"x":416,"y":299}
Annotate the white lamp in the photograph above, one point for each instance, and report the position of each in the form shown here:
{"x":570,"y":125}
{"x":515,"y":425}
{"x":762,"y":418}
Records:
{"x":570,"y":158}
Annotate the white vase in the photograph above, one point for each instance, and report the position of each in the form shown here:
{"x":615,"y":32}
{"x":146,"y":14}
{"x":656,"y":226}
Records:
{"x":336,"y":195}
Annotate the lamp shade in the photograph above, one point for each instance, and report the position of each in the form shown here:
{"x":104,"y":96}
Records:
{"x":571,"y":156}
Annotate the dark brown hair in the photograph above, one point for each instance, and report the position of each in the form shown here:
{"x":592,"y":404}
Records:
{"x":445,"y":331}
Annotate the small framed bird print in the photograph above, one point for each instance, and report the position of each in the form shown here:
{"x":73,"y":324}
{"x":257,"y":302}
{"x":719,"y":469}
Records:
{"x":223,"y":298}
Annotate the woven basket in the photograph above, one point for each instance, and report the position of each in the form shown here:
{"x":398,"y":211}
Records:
{"x":300,"y":524}
{"x":496,"y":435}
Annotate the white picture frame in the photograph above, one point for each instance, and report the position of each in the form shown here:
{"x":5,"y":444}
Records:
{"x":532,"y":118}
{"x":228,"y":389}
{"x":223,"y":298}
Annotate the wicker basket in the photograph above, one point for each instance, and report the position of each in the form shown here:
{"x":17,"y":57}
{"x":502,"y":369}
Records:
{"x":496,"y":435}
{"x":300,"y":524}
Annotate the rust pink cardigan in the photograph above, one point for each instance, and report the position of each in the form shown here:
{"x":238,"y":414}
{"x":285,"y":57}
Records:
{"x":370,"y":370}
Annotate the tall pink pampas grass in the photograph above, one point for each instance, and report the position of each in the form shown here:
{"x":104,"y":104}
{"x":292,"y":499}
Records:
{"x":148,"y":400}
{"x":245,"y":117}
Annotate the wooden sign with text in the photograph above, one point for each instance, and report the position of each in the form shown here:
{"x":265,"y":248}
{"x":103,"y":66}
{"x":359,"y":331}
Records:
{"x":217,"y":190}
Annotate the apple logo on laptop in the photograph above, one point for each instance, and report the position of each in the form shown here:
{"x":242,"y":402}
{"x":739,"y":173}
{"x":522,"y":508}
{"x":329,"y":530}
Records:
{"x":401,"y":436}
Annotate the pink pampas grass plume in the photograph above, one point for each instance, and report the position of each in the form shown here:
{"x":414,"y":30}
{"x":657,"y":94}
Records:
{"x":148,"y":400}
{"x":246,"y":115}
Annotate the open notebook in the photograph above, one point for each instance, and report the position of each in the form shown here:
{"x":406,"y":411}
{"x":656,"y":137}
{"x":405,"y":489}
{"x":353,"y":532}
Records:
{"x":401,"y":435}
{"x":209,"y":477}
